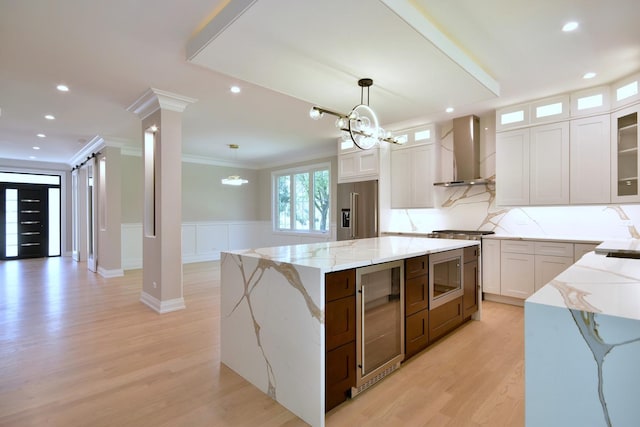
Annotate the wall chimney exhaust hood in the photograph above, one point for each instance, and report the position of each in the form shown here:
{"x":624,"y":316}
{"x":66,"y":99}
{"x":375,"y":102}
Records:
{"x":466,"y":153}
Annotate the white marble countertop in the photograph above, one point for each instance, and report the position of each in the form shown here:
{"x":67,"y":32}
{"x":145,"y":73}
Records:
{"x":626,"y":246}
{"x":570,"y":239}
{"x":342,"y":255}
{"x":596,"y":284}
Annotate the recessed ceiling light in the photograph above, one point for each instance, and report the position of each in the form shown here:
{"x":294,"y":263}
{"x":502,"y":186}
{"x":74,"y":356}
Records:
{"x":235,"y":89}
{"x":62,"y":88}
{"x":41,"y":135}
{"x":50,"y":117}
{"x":589,"y":75}
{"x":570,"y":26}
{"x":449,"y":110}
{"x":36,"y":148}
{"x":32,"y":157}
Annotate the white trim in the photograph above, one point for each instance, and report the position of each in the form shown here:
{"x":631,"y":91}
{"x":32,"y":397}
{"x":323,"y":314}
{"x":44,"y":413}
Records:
{"x":410,"y":13}
{"x":216,"y":26}
{"x":110,"y":273}
{"x":162,"y":306}
{"x":95,"y":144}
{"x":154,"y":99}
{"x":310,"y":169}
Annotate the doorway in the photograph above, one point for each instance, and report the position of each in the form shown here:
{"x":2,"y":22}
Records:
{"x":30,"y":224}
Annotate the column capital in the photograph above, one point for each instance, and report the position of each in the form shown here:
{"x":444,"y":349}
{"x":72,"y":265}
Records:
{"x":154,"y":99}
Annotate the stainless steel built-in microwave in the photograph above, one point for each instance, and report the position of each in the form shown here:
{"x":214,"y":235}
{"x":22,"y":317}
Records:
{"x":445,"y":277}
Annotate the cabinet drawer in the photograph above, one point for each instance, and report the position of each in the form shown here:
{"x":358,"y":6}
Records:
{"x":554,"y":248}
{"x":416,"y":333}
{"x":444,"y":318}
{"x":517,"y":247}
{"x":339,"y":284}
{"x":471,"y":253}
{"x":340,"y":374}
{"x":416,"y":294}
{"x":340,"y":322}
{"x":416,"y":266}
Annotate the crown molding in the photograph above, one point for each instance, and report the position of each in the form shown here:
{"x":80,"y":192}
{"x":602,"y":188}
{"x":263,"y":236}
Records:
{"x":154,"y":99}
{"x":94,"y":145}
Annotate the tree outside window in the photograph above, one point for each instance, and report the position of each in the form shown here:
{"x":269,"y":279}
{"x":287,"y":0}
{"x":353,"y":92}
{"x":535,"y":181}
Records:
{"x":302,"y":200}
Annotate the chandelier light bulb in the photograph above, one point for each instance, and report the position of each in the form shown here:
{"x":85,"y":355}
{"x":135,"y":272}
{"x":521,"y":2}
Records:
{"x":341,"y":123}
{"x":360,"y":125}
{"x":314,"y":113}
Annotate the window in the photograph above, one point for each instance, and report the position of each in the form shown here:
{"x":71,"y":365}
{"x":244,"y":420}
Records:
{"x":549,"y":110}
{"x":301,"y":198}
{"x":513,"y":117}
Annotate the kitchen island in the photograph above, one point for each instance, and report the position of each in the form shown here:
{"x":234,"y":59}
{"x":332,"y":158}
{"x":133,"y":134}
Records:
{"x":273,"y":311}
{"x":582,"y":345}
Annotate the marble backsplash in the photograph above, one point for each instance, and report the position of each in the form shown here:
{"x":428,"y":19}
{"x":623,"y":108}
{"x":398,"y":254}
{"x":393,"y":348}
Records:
{"x":474,"y":208}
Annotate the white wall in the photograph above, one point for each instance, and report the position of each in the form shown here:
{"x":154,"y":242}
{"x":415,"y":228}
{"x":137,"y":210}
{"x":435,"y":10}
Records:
{"x":203,"y":241}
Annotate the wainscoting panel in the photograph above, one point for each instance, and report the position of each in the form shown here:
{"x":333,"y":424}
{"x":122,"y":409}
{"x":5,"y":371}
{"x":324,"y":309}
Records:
{"x":203,"y":241}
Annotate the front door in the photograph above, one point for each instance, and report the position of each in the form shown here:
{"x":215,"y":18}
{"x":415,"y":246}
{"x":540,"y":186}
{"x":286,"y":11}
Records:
{"x":24,"y":220}
{"x":32,"y":222}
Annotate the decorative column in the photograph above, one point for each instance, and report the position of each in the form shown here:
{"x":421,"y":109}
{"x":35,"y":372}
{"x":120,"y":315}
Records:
{"x":161,"y":115}
{"x":109,"y":211}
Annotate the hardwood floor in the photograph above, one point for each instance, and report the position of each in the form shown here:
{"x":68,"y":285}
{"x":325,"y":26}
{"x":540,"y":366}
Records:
{"x":80,"y":350}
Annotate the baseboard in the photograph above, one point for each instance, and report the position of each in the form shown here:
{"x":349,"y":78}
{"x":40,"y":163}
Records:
{"x":503,"y":299}
{"x":132,"y":264}
{"x":209,"y":256}
{"x":162,"y":306}
{"x":110,"y":273}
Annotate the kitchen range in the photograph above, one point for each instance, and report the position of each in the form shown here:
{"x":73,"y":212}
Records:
{"x":311,"y":325}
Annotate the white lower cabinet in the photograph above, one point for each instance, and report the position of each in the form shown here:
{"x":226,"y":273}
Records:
{"x":491,"y":266}
{"x":548,"y":267}
{"x":582,"y":248}
{"x":516,"y":274}
{"x":518,"y":268}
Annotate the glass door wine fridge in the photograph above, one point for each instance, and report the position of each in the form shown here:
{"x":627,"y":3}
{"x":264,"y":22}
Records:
{"x":380,"y":325}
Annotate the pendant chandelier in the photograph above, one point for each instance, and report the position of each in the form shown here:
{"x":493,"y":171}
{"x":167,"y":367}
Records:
{"x":361,"y":124}
{"x":234,"y":179}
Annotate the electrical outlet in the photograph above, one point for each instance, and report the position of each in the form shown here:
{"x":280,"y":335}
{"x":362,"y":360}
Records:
{"x":155,"y":285}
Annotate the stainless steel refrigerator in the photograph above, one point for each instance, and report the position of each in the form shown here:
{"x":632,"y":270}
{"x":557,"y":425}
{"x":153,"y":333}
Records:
{"x":357,"y":210}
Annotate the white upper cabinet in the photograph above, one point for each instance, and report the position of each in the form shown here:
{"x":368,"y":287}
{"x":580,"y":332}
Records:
{"x":590,"y":164}
{"x":625,"y":165}
{"x":413,"y":169}
{"x":355,"y":164}
{"x":625,"y":91}
{"x":512,"y":117}
{"x":512,"y":168}
{"x":550,"y":109}
{"x":412,"y":177}
{"x":549,"y":164}
{"x":591,"y":101}
{"x":532,"y":166}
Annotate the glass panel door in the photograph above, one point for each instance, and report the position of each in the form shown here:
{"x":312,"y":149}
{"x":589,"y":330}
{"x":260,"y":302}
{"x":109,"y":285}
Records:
{"x":380,"y":312}
{"x":627,"y":155}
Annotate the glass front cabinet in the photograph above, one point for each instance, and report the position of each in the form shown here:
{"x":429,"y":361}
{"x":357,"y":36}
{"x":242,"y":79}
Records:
{"x":626,"y":163}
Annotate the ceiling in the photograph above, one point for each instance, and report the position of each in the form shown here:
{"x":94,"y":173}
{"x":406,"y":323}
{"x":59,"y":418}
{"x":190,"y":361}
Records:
{"x":287,"y":55}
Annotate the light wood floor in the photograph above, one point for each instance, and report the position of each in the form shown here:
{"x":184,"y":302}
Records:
{"x":80,"y":350}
